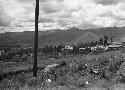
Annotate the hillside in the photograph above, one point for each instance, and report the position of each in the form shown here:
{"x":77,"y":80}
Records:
{"x":88,"y":37}
{"x":70,"y":36}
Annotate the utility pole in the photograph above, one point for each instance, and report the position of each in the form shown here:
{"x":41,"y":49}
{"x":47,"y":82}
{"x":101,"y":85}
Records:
{"x":36,"y":39}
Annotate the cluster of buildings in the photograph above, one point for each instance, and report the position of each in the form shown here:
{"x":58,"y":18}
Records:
{"x":110,"y":46}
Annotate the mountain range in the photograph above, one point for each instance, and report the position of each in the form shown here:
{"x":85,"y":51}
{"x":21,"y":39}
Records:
{"x":52,"y":37}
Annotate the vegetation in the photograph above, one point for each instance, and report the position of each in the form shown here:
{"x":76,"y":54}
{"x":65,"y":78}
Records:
{"x":77,"y":74}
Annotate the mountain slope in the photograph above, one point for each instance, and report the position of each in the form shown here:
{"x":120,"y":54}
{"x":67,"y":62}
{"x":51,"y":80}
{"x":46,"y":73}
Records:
{"x":88,"y":37}
{"x":70,"y":36}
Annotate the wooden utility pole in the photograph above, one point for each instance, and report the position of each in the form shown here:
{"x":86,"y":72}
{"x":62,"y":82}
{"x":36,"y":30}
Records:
{"x":36,"y":39}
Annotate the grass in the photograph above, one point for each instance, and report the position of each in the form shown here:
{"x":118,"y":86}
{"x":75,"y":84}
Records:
{"x":73,"y":76}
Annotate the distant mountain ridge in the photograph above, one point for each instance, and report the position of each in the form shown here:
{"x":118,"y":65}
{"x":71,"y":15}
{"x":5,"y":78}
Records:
{"x":69,"y":36}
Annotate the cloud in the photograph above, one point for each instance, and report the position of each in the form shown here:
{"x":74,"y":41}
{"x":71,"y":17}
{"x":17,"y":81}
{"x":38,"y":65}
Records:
{"x":85,"y":25}
{"x":50,"y":7}
{"x":4,"y":19}
{"x":45,"y":19}
{"x":47,"y":26}
{"x":29,"y":9}
{"x":16,"y":14}
{"x":27,"y":1}
{"x":48,"y":10}
{"x":106,"y":2}
{"x":63,"y":22}
{"x":119,"y":23}
{"x":63,"y":14}
{"x":51,"y":0}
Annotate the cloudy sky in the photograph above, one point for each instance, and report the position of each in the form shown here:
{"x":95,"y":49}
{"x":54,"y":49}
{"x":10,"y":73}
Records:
{"x":18,"y":15}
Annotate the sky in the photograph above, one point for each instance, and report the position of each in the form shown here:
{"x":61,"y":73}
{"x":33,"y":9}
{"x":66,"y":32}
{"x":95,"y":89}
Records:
{"x":18,"y":15}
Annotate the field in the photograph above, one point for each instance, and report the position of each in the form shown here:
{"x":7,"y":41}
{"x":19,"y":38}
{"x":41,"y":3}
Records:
{"x":104,"y":71}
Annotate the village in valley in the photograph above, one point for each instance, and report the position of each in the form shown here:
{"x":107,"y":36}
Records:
{"x":84,"y":65}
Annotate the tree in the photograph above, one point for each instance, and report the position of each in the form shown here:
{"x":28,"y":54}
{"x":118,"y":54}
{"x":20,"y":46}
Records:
{"x":105,"y":39}
{"x":101,"y":41}
{"x":36,"y":39}
{"x":111,"y":39}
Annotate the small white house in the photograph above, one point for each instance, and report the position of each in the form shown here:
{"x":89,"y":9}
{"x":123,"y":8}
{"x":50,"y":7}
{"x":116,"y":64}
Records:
{"x":68,"y":47}
{"x":82,"y":48}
